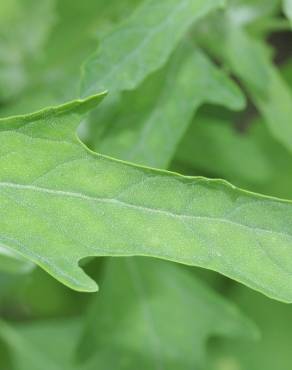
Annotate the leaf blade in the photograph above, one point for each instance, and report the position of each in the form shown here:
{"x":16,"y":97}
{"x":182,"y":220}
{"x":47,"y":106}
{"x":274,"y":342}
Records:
{"x":131,"y":52}
{"x":122,"y":209}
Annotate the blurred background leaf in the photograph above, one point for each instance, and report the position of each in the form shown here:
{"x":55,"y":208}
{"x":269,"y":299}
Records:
{"x":163,"y":318}
{"x":150,"y":121}
{"x":23,"y":33}
{"x":273,"y":351}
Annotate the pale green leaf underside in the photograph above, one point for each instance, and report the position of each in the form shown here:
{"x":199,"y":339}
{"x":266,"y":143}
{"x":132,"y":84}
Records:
{"x":61,"y":203}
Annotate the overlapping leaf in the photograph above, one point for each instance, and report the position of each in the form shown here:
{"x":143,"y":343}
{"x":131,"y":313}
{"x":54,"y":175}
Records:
{"x":250,"y":159}
{"x":60,"y":202}
{"x":134,"y":50}
{"x":150,"y":121}
{"x":250,"y":59}
{"x":141,"y":44}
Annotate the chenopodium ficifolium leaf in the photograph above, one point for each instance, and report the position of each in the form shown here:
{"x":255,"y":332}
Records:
{"x":60,"y":203}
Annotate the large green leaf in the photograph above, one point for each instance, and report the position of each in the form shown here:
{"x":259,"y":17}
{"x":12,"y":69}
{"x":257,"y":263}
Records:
{"x":141,"y":44}
{"x":163,"y":319}
{"x":145,"y":117}
{"x":50,"y":185}
{"x":160,"y":110}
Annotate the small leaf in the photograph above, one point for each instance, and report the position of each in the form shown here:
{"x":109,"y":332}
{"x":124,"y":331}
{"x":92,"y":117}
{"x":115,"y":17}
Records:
{"x":141,"y":44}
{"x":150,"y":121}
{"x":271,"y":94}
{"x":250,"y":59}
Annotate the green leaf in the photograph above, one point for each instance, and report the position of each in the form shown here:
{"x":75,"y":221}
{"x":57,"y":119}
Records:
{"x":122,"y":209}
{"x":47,"y":345}
{"x":251,"y":159}
{"x":287,"y":73}
{"x":228,"y":153}
{"x":273,"y":351}
{"x":13,"y":263}
{"x":23,"y":33}
{"x":53,"y":77}
{"x":141,"y":44}
{"x":243,"y":12}
{"x":135,"y":320}
{"x":287,"y":8}
{"x":163,"y":318}
{"x":271,"y":94}
{"x":160,"y":110}
{"x":250,"y":59}
{"x":143,"y":306}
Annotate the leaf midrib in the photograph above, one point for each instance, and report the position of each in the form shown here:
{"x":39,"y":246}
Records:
{"x":135,"y":207}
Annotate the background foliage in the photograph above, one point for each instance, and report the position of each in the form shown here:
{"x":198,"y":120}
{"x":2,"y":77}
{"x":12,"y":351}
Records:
{"x":196,"y":87}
